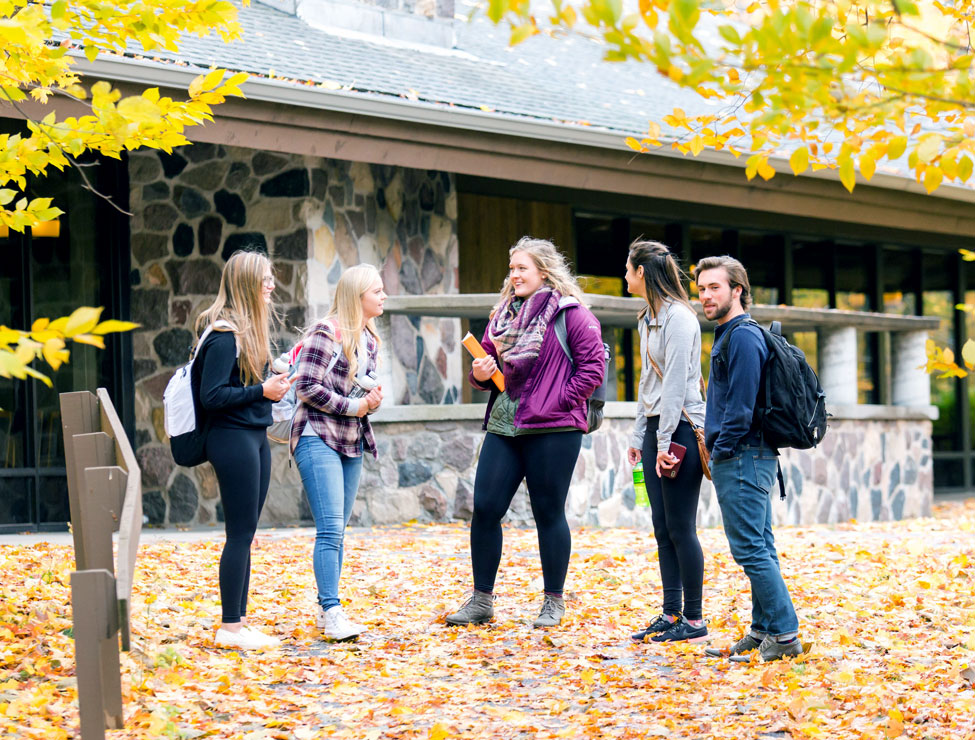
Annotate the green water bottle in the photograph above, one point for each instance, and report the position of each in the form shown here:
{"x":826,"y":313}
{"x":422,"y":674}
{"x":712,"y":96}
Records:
{"x":639,"y":486}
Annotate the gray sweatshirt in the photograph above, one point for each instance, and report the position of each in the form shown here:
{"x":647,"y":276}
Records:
{"x":673,"y":340}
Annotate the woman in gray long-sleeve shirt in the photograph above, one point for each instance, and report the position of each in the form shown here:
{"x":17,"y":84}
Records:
{"x":670,"y":337}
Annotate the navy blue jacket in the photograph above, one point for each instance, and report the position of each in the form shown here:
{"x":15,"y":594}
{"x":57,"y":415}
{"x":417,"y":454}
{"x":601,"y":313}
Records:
{"x":733,"y":388}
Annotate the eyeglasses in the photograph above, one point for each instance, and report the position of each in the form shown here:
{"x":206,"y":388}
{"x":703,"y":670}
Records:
{"x":269,"y":282}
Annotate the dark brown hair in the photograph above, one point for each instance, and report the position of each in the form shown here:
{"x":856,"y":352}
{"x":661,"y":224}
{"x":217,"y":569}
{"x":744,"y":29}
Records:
{"x":737,"y":275}
{"x":662,"y":275}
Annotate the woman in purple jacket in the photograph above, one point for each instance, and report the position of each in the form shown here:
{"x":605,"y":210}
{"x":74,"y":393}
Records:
{"x":535,"y":427}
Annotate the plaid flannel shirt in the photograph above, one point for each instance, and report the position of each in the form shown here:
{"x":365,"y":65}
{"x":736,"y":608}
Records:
{"x":325,"y":401}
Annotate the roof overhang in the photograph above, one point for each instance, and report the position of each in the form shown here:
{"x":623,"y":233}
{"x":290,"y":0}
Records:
{"x":315,"y":121}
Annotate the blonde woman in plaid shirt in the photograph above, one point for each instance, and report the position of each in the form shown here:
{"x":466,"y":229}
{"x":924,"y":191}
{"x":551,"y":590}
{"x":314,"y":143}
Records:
{"x":331,"y":430}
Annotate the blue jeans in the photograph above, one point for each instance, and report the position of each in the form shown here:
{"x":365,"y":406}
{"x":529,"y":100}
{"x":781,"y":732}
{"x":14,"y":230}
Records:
{"x":331,"y":481}
{"x":743,"y":484}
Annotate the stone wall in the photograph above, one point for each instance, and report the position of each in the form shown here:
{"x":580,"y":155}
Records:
{"x":865,"y":470}
{"x":194,"y":208}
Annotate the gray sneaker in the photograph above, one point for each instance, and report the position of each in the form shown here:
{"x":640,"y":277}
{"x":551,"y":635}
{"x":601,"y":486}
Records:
{"x":478,"y":609}
{"x":771,"y":649}
{"x":553,"y":609}
{"x":745,"y":645}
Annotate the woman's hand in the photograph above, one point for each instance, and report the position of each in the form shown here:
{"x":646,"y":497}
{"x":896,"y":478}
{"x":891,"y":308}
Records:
{"x":633,"y":455}
{"x":374,"y":398}
{"x":665,"y":462}
{"x":483,"y":368}
{"x":363,"y":407}
{"x":276,"y":386}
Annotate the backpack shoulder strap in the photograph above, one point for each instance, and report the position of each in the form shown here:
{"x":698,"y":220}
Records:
{"x":333,"y":359}
{"x":562,"y":335}
{"x":727,"y":341}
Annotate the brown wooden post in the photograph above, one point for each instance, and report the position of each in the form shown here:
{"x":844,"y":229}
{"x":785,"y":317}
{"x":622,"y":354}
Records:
{"x":95,"y":617}
{"x":79,"y":415}
{"x":105,"y":494}
{"x":104,"y":491}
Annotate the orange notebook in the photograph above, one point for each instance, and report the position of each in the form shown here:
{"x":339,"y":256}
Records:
{"x":477,"y":352}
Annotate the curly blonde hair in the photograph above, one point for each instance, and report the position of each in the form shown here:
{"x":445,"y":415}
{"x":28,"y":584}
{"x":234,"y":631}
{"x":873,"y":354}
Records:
{"x":551,"y":263}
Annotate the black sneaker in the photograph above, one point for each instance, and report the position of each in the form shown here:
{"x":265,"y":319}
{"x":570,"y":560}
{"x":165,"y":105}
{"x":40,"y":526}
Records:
{"x":682,"y":631}
{"x":659,"y":624}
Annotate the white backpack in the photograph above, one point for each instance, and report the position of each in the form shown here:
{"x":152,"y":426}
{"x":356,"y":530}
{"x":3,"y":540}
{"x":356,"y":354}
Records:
{"x":179,"y":407}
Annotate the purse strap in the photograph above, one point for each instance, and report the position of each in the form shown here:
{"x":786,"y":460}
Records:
{"x":661,"y":376}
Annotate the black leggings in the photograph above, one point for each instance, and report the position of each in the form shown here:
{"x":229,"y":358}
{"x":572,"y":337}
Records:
{"x":673,"y":503}
{"x":546,"y":462}
{"x":242,"y":461}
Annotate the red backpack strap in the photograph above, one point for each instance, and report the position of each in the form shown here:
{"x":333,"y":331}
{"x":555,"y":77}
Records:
{"x":336,"y":332}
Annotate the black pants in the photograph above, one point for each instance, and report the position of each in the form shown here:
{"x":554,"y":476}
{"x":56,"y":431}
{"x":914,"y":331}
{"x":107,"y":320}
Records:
{"x":546,"y":462}
{"x":673,"y":503}
{"x":242,"y":461}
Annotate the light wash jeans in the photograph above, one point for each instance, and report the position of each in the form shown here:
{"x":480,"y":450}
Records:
{"x":743,"y":484}
{"x":331,"y":481}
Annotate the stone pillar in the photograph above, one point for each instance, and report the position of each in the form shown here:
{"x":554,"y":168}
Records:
{"x":911,"y":385}
{"x":838,"y":364}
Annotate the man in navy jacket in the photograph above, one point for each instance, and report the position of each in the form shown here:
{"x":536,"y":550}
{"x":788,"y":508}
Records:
{"x":743,"y":468}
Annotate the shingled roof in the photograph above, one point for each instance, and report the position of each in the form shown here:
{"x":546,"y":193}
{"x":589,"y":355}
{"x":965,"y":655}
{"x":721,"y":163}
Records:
{"x":561,"y":80}
{"x":563,"y":83}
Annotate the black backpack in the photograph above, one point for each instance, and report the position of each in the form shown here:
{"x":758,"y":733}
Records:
{"x":594,"y":413}
{"x":791,"y":407}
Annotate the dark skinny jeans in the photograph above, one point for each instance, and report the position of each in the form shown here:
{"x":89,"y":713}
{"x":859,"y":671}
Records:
{"x":673,"y":504}
{"x":242,"y":461}
{"x":546,"y":462}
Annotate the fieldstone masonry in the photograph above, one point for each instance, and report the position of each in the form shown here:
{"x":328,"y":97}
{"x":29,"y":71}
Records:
{"x":314,"y":217}
{"x":426,"y":472}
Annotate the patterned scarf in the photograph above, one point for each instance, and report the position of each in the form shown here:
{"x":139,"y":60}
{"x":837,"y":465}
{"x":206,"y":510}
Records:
{"x":517,"y":332}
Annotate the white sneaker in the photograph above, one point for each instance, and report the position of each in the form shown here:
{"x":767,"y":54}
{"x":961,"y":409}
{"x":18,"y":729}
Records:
{"x":336,"y":625}
{"x":269,"y":640}
{"x":243,"y":640}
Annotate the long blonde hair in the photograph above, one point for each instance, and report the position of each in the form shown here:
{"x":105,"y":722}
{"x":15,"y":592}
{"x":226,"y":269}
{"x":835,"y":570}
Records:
{"x":240,"y":301}
{"x":346,"y":310}
{"x":551,"y":263}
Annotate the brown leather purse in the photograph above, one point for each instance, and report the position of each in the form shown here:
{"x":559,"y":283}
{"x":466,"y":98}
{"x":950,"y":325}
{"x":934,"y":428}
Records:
{"x":698,"y":431}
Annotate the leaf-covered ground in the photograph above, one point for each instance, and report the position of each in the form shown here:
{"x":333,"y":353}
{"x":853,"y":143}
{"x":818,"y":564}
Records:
{"x":889,"y":607}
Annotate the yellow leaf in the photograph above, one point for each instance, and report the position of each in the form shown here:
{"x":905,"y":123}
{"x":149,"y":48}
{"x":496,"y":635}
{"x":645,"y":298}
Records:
{"x":696,"y":145}
{"x":933,"y":177}
{"x":521,"y":33}
{"x":928,"y":147}
{"x":948,"y":355}
{"x":799,"y":160}
{"x":54,"y":353}
{"x":40,"y":324}
{"x":196,"y":86}
{"x":847,"y":176}
{"x":968,"y":353}
{"x":438,"y":732}
{"x":113,"y":325}
{"x":634,"y":144}
{"x":867,"y":166}
{"x":91,"y":339}
{"x":82,"y":320}
{"x":896,"y":147}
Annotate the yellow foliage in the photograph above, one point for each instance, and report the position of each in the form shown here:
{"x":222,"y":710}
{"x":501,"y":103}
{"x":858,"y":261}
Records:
{"x":784,"y":67}
{"x":46,"y":340}
{"x":30,"y":65}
